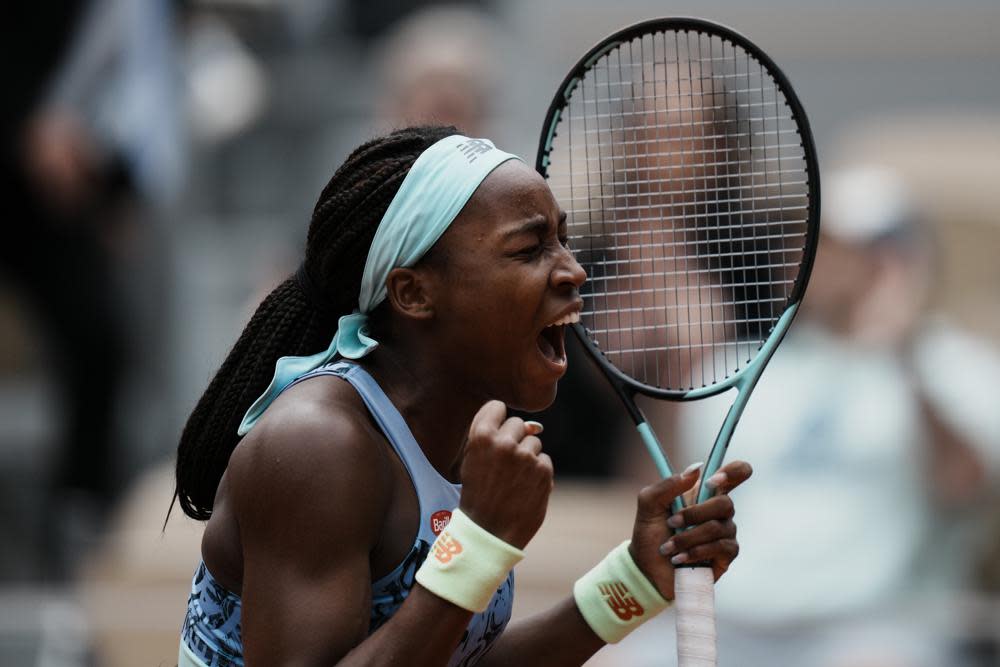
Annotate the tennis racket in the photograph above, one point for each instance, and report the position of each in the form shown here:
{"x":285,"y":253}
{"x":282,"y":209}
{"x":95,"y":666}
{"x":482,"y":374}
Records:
{"x":687,"y":169}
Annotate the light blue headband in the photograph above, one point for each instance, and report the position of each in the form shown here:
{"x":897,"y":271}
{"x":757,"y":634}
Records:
{"x":433,"y":193}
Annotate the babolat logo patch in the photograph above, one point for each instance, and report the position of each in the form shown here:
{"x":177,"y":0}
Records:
{"x":440,"y":521}
{"x":473,"y":148}
{"x":620,"y":599}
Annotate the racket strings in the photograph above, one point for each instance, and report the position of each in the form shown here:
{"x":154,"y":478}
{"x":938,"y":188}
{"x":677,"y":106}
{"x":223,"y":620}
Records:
{"x":683,"y":175}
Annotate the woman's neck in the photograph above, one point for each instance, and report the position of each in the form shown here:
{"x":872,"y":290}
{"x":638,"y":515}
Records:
{"x":436,"y":409}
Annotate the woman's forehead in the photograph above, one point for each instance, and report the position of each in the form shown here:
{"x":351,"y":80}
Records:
{"x":512,"y":189}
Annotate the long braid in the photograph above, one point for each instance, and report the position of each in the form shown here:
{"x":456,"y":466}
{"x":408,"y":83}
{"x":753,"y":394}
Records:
{"x":287,"y":322}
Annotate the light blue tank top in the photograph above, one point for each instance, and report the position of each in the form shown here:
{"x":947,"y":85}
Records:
{"x":211,"y":629}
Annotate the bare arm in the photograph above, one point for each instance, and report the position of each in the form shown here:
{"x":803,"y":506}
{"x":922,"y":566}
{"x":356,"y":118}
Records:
{"x":310,"y":496}
{"x":558,"y":636}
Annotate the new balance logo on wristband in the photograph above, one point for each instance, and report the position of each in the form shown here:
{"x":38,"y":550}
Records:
{"x":617,"y":583}
{"x":446,"y":547}
{"x":621,"y":600}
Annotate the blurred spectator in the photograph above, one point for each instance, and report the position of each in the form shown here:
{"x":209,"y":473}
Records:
{"x":871,"y":416}
{"x":90,"y":134}
{"x":438,"y":66}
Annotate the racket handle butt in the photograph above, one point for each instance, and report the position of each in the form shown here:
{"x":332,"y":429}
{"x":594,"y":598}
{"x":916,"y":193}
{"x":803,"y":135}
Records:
{"x":694,"y":588}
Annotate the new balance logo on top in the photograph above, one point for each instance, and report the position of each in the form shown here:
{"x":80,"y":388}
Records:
{"x":473,"y":148}
{"x":620,"y":599}
{"x":446,"y":547}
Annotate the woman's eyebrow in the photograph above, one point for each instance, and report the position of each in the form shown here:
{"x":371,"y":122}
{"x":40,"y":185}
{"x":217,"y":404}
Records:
{"x":537,"y":224}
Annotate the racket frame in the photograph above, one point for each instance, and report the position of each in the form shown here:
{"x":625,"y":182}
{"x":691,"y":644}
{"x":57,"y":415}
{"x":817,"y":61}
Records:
{"x":744,"y":379}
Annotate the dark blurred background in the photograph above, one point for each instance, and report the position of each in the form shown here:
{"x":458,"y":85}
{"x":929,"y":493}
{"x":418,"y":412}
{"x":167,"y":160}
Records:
{"x":160,"y":165}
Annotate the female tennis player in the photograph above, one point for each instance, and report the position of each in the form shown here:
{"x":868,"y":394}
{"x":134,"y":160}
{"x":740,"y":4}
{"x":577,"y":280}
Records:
{"x":366,"y":494}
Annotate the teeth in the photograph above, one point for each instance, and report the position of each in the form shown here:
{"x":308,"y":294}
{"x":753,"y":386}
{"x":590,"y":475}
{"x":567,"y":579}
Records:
{"x":572,"y":318}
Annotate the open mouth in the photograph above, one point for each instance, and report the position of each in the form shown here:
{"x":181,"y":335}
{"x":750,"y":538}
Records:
{"x":552,"y":339}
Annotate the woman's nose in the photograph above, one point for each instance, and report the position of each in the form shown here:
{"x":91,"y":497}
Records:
{"x":569,"y":271}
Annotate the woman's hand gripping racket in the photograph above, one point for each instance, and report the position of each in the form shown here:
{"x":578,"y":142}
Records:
{"x":687,"y":169}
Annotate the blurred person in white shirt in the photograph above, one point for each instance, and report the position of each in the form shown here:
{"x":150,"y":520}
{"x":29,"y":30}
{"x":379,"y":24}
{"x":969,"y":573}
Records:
{"x":872,"y":432}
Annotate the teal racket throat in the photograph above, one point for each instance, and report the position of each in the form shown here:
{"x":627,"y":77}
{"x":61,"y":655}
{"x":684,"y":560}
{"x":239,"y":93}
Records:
{"x":744,"y":383}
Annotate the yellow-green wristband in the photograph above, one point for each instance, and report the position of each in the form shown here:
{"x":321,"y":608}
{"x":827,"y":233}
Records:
{"x":467,"y":564}
{"x":615,"y":597}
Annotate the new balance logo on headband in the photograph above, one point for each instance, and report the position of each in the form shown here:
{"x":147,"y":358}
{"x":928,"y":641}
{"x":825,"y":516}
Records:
{"x":473,"y":148}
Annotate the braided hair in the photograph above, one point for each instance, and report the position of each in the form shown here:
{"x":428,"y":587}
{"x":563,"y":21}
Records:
{"x":290,"y":321}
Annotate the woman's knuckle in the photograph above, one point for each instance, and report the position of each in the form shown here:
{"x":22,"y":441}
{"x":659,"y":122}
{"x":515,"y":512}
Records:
{"x":726,"y":506}
{"x":717,"y":529}
{"x":733,"y":547}
{"x":526,"y":459}
{"x":506,"y":443}
{"x":543,"y":463}
{"x":699,"y":553}
{"x":515,"y":421}
{"x":682,"y":541}
{"x":532,"y":444}
{"x":479,"y":432}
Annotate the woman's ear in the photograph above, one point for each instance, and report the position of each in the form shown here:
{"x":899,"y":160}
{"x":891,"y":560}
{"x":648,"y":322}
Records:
{"x":410,"y":292}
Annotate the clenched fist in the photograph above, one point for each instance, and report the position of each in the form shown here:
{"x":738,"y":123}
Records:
{"x":506,"y":479}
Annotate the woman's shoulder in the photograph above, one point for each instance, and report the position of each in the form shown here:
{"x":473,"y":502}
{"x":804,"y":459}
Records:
{"x":315,"y":445}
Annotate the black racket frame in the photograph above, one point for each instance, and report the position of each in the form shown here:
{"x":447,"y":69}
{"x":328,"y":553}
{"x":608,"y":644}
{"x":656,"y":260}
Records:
{"x":626,"y":386}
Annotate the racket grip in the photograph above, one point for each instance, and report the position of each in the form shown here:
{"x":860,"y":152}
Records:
{"x":695,"y":600}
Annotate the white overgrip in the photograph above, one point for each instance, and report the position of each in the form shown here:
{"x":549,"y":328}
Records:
{"x":694,"y":591}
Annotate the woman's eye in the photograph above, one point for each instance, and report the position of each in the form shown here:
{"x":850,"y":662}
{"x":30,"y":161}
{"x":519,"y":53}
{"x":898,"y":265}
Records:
{"x":531,"y":251}
{"x":536,"y":250}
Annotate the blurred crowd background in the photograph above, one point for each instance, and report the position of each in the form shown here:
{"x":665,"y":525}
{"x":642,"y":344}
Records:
{"x":160,"y":165}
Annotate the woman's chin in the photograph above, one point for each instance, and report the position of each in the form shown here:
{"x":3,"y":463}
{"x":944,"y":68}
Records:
{"x":536,"y":398}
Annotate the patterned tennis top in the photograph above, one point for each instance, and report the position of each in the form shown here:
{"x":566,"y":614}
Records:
{"x":211,"y":629}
